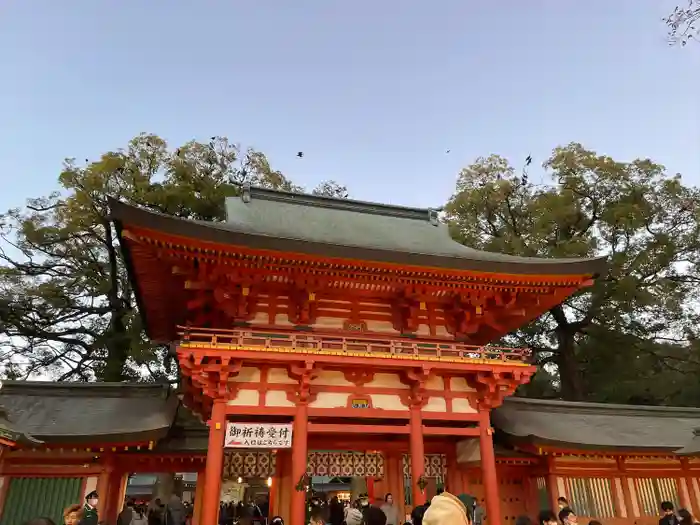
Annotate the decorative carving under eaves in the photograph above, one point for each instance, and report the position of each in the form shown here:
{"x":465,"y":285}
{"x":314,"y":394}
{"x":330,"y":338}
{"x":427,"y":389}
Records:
{"x":493,"y":387}
{"x":304,"y":373}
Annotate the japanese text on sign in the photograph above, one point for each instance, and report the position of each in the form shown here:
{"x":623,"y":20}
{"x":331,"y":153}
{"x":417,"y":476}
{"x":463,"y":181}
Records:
{"x":258,"y":435}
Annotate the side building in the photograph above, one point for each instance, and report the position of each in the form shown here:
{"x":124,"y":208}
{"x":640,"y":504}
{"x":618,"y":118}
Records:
{"x":614,"y":463}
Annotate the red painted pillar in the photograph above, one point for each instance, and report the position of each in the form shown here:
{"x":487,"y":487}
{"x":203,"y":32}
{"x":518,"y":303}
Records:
{"x":453,"y":476}
{"x":274,"y":488}
{"x":488,"y":470}
{"x":215,"y":464}
{"x":369,"y":480}
{"x":417,"y":455}
{"x":299,"y":459}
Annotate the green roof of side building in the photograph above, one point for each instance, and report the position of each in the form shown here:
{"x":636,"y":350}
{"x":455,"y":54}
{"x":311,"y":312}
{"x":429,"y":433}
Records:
{"x":597,"y":425}
{"x":108,"y":412}
{"x":329,"y":227}
{"x":76,"y":413}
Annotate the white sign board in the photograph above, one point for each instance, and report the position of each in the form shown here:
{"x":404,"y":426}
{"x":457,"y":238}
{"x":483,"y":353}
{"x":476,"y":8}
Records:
{"x":258,"y":435}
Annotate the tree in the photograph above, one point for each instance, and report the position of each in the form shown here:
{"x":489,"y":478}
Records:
{"x":67,"y":310}
{"x":684,"y":23}
{"x":642,"y":315}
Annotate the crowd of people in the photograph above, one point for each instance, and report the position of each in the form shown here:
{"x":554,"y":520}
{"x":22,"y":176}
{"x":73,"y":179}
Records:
{"x":443,"y":509}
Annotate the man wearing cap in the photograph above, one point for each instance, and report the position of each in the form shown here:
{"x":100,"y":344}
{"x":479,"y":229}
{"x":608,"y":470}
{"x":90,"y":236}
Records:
{"x":90,"y":509}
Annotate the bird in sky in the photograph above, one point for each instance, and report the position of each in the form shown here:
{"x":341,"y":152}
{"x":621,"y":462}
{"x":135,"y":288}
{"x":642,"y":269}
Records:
{"x":300,"y":154}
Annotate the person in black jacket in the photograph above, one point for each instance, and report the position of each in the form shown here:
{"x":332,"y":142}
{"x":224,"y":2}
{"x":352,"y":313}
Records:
{"x":90,"y":509}
{"x":668,"y":516}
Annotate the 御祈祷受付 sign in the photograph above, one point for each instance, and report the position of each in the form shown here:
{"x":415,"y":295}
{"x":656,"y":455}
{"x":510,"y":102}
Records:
{"x":258,"y":435}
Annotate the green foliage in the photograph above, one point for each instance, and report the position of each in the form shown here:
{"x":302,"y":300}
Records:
{"x":66,"y":307}
{"x":604,"y":342}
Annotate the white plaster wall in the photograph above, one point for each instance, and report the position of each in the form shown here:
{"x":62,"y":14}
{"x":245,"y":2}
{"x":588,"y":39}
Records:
{"x":282,"y":319}
{"x":387,"y":381}
{"x":277,"y":398}
{"x":462,"y":406}
{"x":248,"y":374}
{"x":387,"y":402}
{"x":435,"y":404}
{"x":380,"y":326}
{"x":459,"y":384}
{"x":246,"y":398}
{"x":330,"y":400}
{"x":329,"y":323}
{"x":331,"y":377}
{"x":279,"y":376}
{"x":435,"y":383}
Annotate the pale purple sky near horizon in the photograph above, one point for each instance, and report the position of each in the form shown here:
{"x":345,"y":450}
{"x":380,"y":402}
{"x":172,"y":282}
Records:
{"x":373,"y":92}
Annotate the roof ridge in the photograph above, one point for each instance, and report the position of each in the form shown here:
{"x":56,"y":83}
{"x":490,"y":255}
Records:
{"x":79,"y":388}
{"x":603,"y":407}
{"x":336,"y":203}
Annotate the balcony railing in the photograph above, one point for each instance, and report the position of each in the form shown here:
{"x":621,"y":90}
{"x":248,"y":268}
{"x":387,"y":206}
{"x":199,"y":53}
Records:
{"x":360,"y":345}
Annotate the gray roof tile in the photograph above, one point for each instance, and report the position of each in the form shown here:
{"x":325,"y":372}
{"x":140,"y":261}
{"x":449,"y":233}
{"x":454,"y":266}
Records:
{"x":77,"y":412}
{"x":597,"y":425}
{"x":342,"y":228}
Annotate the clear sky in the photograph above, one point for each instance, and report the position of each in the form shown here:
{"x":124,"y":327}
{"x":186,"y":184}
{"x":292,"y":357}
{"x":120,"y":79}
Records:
{"x":373,"y":91}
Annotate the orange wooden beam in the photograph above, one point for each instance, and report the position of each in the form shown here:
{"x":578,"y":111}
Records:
{"x":349,"y":428}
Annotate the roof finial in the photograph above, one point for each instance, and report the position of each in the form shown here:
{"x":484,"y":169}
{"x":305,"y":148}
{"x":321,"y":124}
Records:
{"x":245,"y":193}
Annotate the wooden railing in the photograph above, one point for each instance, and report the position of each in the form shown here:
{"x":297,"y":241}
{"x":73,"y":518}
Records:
{"x":324,"y":343}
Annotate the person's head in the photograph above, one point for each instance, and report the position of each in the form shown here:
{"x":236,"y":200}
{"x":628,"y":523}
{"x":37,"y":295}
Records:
{"x":686,"y":517}
{"x":594,"y":522}
{"x":666,"y":508}
{"x":417,"y":515}
{"x":92,"y":499}
{"x":374,"y":516}
{"x":40,"y":521}
{"x":523,"y":520}
{"x":567,"y":516}
{"x":447,"y":508}
{"x":277,"y":520}
{"x":547,"y":517}
{"x":130,"y":503}
{"x":72,"y":515}
{"x":353,"y":517}
{"x":389,"y":498}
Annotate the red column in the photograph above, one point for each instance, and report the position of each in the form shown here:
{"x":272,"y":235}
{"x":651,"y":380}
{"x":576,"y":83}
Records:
{"x":299,"y":458}
{"x":276,"y":478}
{"x":417,"y":455}
{"x":488,"y":470}
{"x":369,"y":480}
{"x":215,"y":464}
{"x":453,"y":477}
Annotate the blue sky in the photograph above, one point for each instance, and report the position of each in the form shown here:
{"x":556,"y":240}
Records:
{"x":373,"y":92}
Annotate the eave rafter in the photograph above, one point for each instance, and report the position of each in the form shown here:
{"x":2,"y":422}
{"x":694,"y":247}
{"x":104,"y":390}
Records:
{"x":209,"y":287}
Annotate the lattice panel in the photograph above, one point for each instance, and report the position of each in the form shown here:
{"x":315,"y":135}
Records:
{"x":249,"y":464}
{"x":435,"y":466}
{"x":345,"y":464}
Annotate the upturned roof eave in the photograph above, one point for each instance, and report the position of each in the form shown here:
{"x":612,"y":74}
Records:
{"x":125,"y":215}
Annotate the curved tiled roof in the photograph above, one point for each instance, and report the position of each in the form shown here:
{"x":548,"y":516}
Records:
{"x":597,"y":425}
{"x":342,"y":228}
{"x":74,"y":413}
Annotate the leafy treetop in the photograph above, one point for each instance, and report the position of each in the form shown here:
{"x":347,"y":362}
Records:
{"x":66,"y":306}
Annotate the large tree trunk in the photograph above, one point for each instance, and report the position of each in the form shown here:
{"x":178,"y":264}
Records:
{"x":571,"y":384}
{"x":118,"y":341}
